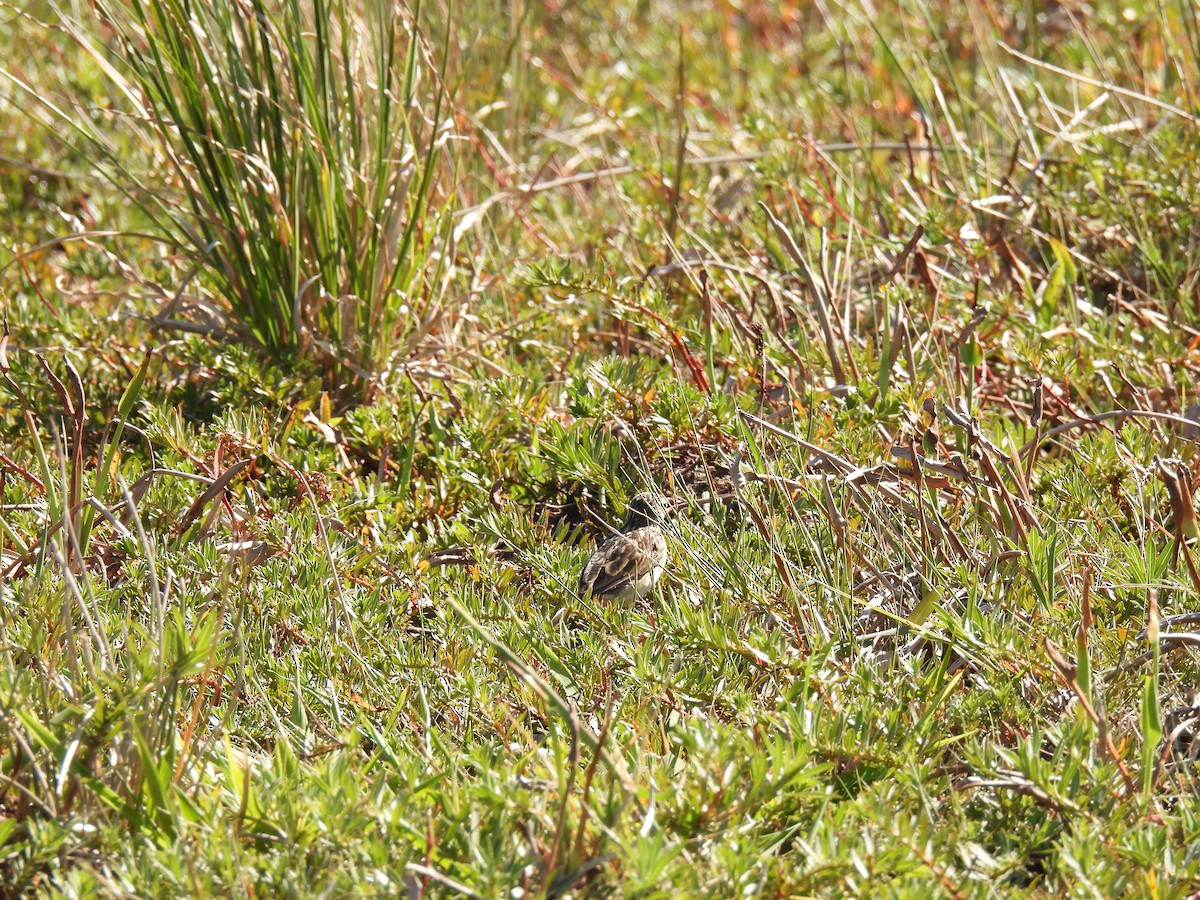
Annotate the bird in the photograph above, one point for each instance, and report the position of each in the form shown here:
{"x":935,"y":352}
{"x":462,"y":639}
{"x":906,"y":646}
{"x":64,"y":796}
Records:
{"x":629,"y":563}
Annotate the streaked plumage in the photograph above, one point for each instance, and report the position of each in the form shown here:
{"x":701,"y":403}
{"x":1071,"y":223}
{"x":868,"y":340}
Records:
{"x":629,"y":563}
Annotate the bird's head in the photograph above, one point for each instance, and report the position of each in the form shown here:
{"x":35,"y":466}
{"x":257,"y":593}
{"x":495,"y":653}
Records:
{"x":646,"y":508}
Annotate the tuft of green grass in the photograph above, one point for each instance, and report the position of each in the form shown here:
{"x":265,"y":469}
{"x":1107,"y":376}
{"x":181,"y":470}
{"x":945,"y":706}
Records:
{"x":297,"y":151}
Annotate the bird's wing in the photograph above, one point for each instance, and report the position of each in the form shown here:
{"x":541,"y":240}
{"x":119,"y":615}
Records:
{"x":622,"y":560}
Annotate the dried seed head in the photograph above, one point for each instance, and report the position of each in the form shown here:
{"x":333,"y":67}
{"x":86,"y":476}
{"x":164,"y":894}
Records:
{"x":1176,"y":478}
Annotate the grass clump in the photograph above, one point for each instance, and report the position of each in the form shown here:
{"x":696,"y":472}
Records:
{"x":297,"y":152}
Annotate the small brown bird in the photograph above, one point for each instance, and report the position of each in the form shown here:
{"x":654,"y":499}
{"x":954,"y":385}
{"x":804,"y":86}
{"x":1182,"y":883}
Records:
{"x":629,"y":563}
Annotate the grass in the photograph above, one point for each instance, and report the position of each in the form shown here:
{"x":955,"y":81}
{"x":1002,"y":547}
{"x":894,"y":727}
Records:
{"x":314,"y":127}
{"x":900,"y":305}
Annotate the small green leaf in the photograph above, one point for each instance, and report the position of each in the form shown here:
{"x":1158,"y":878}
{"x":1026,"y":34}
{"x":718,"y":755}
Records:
{"x":1151,"y":722}
{"x":970,"y":352}
{"x":1062,"y":256}
{"x":1053,"y":291}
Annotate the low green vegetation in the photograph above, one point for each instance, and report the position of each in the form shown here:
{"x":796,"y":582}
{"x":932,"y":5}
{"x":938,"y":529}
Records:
{"x":336,"y":335}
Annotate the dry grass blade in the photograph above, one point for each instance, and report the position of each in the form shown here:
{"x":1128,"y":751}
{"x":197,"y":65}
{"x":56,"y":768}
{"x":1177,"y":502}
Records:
{"x":820,"y":300}
{"x":1176,"y":477}
{"x":416,"y":891}
{"x":211,"y":493}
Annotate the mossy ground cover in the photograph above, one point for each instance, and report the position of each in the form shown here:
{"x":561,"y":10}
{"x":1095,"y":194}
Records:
{"x":898,"y":302}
